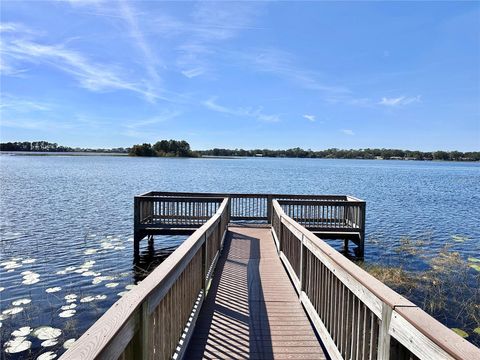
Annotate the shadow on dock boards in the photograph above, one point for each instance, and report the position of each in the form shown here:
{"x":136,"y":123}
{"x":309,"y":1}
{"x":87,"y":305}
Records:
{"x":252,"y":311}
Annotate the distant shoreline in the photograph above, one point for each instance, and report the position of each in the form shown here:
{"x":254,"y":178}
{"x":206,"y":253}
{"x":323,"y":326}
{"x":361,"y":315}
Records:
{"x":220,"y":157}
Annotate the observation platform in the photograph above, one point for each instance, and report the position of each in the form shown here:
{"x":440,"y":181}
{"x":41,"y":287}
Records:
{"x":255,"y":280}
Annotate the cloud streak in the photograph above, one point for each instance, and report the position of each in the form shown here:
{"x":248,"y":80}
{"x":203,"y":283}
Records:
{"x":311,"y":118}
{"x":18,"y":50}
{"x":348,"y":132}
{"x":256,"y":113}
{"x":399,"y":101}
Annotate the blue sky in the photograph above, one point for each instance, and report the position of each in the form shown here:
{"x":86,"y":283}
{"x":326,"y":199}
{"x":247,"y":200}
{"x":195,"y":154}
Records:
{"x":250,"y":74}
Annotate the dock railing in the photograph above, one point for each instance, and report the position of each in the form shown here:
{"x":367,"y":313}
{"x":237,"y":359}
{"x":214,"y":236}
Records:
{"x":356,"y":315}
{"x":156,"y":318}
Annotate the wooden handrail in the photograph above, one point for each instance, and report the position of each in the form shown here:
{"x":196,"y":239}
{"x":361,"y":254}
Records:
{"x":355,"y":314}
{"x":131,"y":327}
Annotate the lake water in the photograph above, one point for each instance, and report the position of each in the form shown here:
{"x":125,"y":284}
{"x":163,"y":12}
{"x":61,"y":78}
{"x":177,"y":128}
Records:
{"x":66,"y":226}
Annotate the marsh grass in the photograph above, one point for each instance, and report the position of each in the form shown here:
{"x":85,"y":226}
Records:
{"x":444,"y":288}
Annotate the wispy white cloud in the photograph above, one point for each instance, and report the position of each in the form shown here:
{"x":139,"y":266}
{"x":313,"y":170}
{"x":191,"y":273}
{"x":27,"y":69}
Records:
{"x":11,"y":103}
{"x":256,"y":113}
{"x":282,"y":64}
{"x":17,"y":50}
{"x":399,"y":101}
{"x":139,"y":40}
{"x":348,"y":132}
{"x":191,"y":73}
{"x":160,"y":118}
{"x":311,"y":118}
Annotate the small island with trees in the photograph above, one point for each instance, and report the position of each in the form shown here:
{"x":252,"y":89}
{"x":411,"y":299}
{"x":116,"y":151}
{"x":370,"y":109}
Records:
{"x":181,"y":148}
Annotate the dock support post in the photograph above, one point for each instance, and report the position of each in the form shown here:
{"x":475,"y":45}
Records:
{"x":269,"y":209}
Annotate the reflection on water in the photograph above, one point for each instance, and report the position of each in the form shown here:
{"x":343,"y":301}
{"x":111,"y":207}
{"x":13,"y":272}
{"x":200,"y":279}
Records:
{"x":66,"y":247}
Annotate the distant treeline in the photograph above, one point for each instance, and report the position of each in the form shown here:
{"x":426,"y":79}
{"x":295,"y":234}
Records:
{"x":349,"y":154}
{"x":168,"y":148}
{"x":181,"y":148}
{"x":45,"y":146}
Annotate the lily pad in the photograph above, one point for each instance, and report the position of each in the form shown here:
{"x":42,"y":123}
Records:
{"x":23,"y":331}
{"x":67,"y":313}
{"x":46,"y":333}
{"x":17,"y":345}
{"x":21,"y":302}
{"x":100,"y":297}
{"x":87,"y":299}
{"x":30,"y":278}
{"x":68,"y":343}
{"x":49,"y":342}
{"x":459,"y":238}
{"x":53,"y":289}
{"x":69,"y":307}
{"x":477,"y":330}
{"x":70,"y":298}
{"x":111,"y":285}
{"x":130,"y":287}
{"x":460,"y":332}
{"x":122,"y":293}
{"x":49,"y":355}
{"x":472,"y":259}
{"x":12,"y":311}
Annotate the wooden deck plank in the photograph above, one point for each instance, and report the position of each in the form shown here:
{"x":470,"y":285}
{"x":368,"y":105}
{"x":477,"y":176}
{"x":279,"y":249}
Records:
{"x":252,"y":310}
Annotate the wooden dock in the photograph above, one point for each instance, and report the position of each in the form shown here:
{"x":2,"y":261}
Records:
{"x":252,"y":311}
{"x":255,"y":280}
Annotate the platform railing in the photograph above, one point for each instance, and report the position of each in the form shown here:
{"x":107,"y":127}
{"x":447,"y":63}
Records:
{"x":155,"y":319}
{"x":356,"y":315}
{"x":249,"y":207}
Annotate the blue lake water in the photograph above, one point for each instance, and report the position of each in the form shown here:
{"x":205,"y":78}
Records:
{"x":66,"y":222}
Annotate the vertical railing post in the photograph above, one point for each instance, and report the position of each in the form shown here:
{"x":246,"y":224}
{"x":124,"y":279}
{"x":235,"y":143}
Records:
{"x":301,"y":272}
{"x":269,"y":209}
{"x":383,"y":335}
{"x":204,"y":264}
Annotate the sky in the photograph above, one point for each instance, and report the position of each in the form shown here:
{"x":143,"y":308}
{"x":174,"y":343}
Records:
{"x":272,"y":75}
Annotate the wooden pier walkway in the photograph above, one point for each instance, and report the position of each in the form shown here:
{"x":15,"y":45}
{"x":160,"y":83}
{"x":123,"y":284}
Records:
{"x":270,"y":288}
{"x":252,"y":310}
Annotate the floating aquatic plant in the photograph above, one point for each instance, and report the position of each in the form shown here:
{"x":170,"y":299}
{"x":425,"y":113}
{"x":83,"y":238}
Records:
{"x":477,"y":330}
{"x":23,"y":331}
{"x":472,"y":259}
{"x":30,"y":278}
{"x":49,"y":342}
{"x":460,"y":332}
{"x":130,"y":287}
{"x":87,"y":299}
{"x":46,"y":333}
{"x":53,"y":289}
{"x":21,"y":302}
{"x":69,"y":307}
{"x":49,"y":355}
{"x":111,"y":285}
{"x":10,"y":265}
{"x":70,"y":298}
{"x":13,"y":311}
{"x":67,"y":313}
{"x":100,"y":297}
{"x":17,"y":344}
{"x":68,"y":343}
{"x":122,"y":293}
